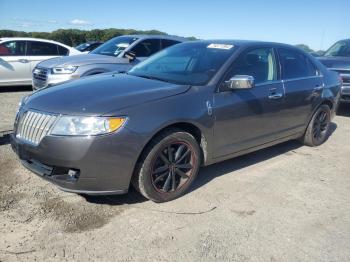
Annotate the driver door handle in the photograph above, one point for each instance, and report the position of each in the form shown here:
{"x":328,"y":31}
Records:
{"x":275,"y":96}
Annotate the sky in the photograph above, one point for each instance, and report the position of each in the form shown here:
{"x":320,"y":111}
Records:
{"x":316,"y":23}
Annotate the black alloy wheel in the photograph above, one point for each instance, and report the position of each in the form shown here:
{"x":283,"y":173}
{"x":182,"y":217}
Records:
{"x":172,"y":167}
{"x":317,"y":131}
{"x":320,"y":126}
{"x":168,"y":166}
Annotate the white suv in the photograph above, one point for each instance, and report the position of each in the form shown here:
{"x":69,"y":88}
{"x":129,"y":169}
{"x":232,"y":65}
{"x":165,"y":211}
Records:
{"x":19,"y":56}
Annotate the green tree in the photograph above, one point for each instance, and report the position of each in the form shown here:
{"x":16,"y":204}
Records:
{"x":74,"y":37}
{"x":306,"y":48}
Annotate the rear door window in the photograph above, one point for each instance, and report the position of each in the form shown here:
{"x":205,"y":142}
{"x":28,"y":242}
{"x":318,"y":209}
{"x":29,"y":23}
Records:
{"x":13,"y":48}
{"x":146,"y":48}
{"x":295,"y":64}
{"x":36,"y":48}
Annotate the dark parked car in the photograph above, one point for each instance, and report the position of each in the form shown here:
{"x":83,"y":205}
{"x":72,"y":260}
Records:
{"x":193,"y":104}
{"x":337,"y":58}
{"x":88,"y":46}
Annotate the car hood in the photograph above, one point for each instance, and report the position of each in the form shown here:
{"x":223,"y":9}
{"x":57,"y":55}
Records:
{"x":84,"y":59}
{"x":100,"y":94}
{"x":335,"y":62}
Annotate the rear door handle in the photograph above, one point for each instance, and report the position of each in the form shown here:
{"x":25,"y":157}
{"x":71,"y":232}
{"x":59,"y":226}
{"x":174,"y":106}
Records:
{"x":23,"y":61}
{"x":275,"y":96}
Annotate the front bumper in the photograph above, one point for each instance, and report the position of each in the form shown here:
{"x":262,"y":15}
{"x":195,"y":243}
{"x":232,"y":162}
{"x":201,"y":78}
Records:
{"x":102,"y":164}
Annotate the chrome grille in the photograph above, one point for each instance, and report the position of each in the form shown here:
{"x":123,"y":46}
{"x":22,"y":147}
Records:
{"x":40,"y":73}
{"x":33,"y":126}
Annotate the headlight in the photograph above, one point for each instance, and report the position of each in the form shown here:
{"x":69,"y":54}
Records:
{"x":64,"y":70}
{"x":86,"y":126}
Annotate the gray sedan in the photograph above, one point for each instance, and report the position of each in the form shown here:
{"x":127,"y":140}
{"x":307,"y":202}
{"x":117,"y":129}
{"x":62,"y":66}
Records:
{"x":118,"y":54}
{"x":337,"y":58}
{"x":193,"y":104}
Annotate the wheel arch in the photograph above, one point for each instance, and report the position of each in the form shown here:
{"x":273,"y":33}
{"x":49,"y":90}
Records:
{"x":325,"y":101}
{"x":188,"y":127}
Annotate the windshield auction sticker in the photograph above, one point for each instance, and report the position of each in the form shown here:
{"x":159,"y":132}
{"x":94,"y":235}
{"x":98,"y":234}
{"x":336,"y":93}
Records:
{"x":220,"y":46}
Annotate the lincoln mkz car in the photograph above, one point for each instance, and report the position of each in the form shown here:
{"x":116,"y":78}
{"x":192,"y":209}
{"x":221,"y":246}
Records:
{"x":337,"y":58}
{"x":193,"y":104}
{"x":118,"y":54}
{"x":19,"y":56}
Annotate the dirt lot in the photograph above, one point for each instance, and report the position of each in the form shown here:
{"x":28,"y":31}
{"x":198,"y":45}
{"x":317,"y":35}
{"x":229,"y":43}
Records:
{"x":9,"y":104}
{"x":285,"y":203}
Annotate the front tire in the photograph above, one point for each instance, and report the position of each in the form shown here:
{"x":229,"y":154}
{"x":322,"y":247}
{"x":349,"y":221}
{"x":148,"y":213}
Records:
{"x":317,"y":131}
{"x":168,"y":166}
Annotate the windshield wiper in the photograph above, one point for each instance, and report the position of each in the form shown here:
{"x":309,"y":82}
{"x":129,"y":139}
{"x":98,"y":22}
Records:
{"x":154,"y":78}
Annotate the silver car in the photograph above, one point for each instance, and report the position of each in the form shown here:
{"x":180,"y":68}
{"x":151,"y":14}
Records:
{"x":337,"y":58}
{"x":19,"y":55}
{"x":118,"y":55}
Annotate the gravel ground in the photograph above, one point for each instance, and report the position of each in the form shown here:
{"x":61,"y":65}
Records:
{"x":285,"y":203}
{"x":8,"y":105}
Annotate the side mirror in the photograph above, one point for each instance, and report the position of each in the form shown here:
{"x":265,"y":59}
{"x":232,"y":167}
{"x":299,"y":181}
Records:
{"x":240,"y":82}
{"x":130,"y":55}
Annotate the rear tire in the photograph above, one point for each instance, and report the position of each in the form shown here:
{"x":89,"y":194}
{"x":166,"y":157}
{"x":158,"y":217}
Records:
{"x":168,"y":166}
{"x":317,"y":131}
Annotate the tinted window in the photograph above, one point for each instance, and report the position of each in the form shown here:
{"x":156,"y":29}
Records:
{"x":13,"y":48}
{"x":62,"y":50}
{"x":259,"y":63}
{"x":188,"y":63}
{"x":87,"y":46}
{"x":295,"y":64}
{"x":166,"y":43}
{"x":146,"y":48}
{"x":92,"y":47}
{"x":36,"y":48}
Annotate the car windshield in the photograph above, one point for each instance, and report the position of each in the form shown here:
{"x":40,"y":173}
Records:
{"x":191,"y":63}
{"x":341,"y":48}
{"x":114,"y":46}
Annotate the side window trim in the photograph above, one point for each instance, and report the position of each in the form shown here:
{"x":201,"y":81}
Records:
{"x":302,"y":78}
{"x":278,"y":64}
{"x":26,"y":48}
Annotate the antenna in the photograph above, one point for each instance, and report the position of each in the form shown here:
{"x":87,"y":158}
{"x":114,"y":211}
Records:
{"x":322,"y":37}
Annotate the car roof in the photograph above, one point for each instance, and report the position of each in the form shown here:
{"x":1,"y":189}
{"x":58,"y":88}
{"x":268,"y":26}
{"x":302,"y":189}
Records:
{"x":170,"y":37}
{"x":30,"y":39}
{"x":344,"y":40}
{"x":92,"y":42}
{"x":241,"y":42}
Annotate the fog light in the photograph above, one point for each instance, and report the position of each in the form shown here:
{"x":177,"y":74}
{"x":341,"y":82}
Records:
{"x":73,"y":173}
